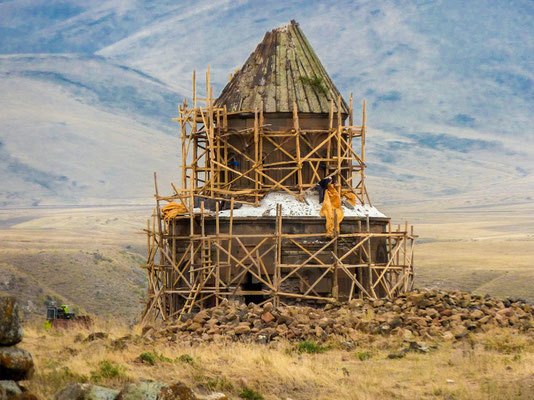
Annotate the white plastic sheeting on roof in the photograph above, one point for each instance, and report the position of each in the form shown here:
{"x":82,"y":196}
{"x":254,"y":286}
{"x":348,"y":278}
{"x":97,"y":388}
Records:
{"x":291,"y":207}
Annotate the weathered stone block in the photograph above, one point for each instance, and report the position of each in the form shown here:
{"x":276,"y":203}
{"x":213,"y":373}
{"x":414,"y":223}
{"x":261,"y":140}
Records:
{"x":10,"y":329}
{"x":15,"y":364}
{"x":9,"y":389}
{"x":86,"y":391}
{"x":177,"y":391}
{"x":142,"y":391}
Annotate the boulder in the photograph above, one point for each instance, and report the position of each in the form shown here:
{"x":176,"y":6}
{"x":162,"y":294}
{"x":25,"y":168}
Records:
{"x":506,"y":312}
{"x":407,"y":335}
{"x":303,"y":319}
{"x":96,"y":336}
{"x":471,"y":326}
{"x":325,"y":322}
{"x":398,"y":354}
{"x":86,"y":391}
{"x":460,"y":332}
{"x":143,"y":390}
{"x":267,"y":306}
{"x":384,"y":328}
{"x":212,"y":396}
{"x":15,"y":363}
{"x":267,"y":317}
{"x":419,"y":322}
{"x":416,"y":298}
{"x":242,"y":315}
{"x":10,"y":329}
{"x":394,"y":322}
{"x":281,"y":329}
{"x":476,"y":314}
{"x":242,"y":329}
{"x":214,"y":331}
{"x":9,"y":389}
{"x":177,"y":391}
{"x":26,"y":396}
{"x":194,"y":327}
{"x":201,"y":317}
{"x":319,"y":332}
{"x":230,"y":316}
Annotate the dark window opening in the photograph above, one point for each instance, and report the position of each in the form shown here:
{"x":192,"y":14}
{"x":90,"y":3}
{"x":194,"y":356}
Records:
{"x":250,"y":286}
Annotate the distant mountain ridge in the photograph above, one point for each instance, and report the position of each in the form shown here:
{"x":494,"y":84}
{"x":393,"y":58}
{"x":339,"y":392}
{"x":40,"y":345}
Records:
{"x":79,"y":129}
{"x":90,"y":90}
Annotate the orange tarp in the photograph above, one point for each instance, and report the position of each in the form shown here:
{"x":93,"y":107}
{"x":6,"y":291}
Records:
{"x":349,"y":195}
{"x":173,"y":209}
{"x":331,"y":207}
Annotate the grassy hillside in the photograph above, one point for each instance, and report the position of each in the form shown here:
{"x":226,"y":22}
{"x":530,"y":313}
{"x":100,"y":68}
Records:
{"x":495,"y":365}
{"x":105,"y":282}
{"x":88,"y":259}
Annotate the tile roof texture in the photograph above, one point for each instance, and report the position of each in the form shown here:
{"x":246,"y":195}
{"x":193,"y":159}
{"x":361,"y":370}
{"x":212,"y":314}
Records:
{"x":282,"y":70}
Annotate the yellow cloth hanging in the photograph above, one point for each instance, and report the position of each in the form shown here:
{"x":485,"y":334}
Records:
{"x":349,"y":195}
{"x":331,"y":209}
{"x":173,"y":209}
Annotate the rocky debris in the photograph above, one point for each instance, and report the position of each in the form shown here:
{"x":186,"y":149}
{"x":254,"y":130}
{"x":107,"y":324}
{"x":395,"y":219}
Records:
{"x":121,"y":343}
{"x":96,"y":336}
{"x":16,"y":364}
{"x":86,"y":391}
{"x":143,"y":390}
{"x":177,"y":391}
{"x":412,"y":347}
{"x":430,"y":314}
{"x":10,"y":329}
{"x":212,"y":396}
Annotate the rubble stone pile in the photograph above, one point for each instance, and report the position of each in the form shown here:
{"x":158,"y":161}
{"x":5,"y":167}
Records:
{"x":143,"y":390}
{"x":433,"y":314}
{"x":16,"y":364}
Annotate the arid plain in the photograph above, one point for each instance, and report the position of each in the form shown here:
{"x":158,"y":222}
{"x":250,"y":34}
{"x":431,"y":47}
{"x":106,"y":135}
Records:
{"x":89,"y":257}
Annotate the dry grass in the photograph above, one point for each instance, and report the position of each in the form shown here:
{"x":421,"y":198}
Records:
{"x":476,"y":250}
{"x":494,"y":365}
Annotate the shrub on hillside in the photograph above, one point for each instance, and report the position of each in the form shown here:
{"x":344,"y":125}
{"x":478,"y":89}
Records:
{"x":151,"y":358}
{"x":249,"y":394}
{"x":307,"y":346}
{"x":148,"y":358}
{"x":186,"y":359}
{"x":108,"y":370}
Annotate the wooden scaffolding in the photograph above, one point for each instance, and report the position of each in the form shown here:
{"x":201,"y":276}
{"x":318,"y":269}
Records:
{"x":207,"y":170}
{"x":197,"y":258}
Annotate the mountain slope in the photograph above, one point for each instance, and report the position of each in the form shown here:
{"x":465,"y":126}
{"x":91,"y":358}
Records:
{"x":77,"y":129}
{"x":449,"y":89}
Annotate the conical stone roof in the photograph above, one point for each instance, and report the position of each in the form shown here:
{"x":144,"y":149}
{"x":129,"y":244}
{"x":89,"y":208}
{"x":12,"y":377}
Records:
{"x":282,"y":70}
